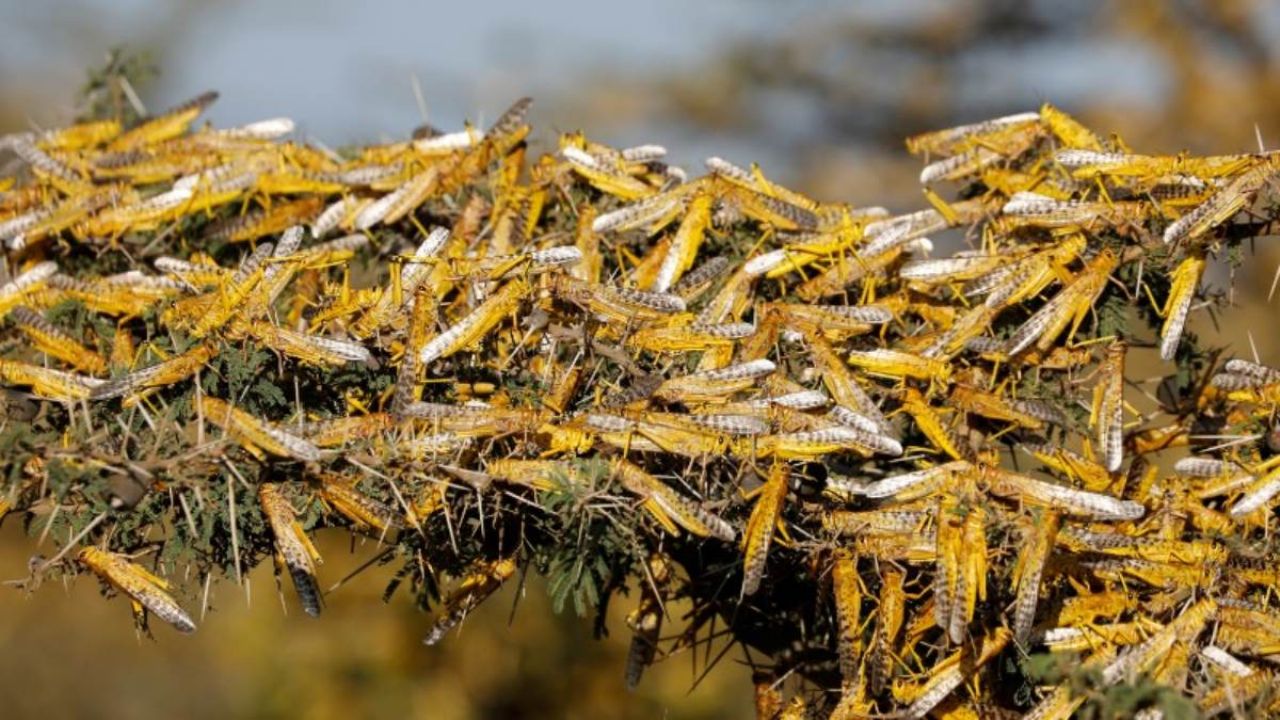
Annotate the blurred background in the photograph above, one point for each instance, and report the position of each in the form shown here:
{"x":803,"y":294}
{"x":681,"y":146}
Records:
{"x":821,"y":93}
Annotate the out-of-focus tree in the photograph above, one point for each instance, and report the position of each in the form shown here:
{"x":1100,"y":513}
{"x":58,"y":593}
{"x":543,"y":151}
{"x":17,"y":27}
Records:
{"x":835,"y":96}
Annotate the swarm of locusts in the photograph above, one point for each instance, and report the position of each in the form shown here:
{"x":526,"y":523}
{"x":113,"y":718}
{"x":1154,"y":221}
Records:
{"x":906,"y":477}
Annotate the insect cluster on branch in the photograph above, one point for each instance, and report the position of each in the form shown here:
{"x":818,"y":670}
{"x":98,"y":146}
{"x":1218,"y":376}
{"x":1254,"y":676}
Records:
{"x":923,"y":483}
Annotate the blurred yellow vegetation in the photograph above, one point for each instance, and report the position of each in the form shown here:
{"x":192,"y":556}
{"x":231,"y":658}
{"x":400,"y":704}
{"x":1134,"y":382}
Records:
{"x":68,"y":654}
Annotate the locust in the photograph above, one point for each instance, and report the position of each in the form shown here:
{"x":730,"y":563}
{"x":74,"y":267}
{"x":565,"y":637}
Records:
{"x":765,"y":520}
{"x":646,"y":620}
{"x":1107,"y":415}
{"x":147,"y":593}
{"x":254,"y":434}
{"x":668,"y":507}
{"x":484,"y":579}
{"x":294,"y":551}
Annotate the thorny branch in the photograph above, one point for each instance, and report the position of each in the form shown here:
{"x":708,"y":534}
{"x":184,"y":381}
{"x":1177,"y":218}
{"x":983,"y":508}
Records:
{"x":918,"y":483}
